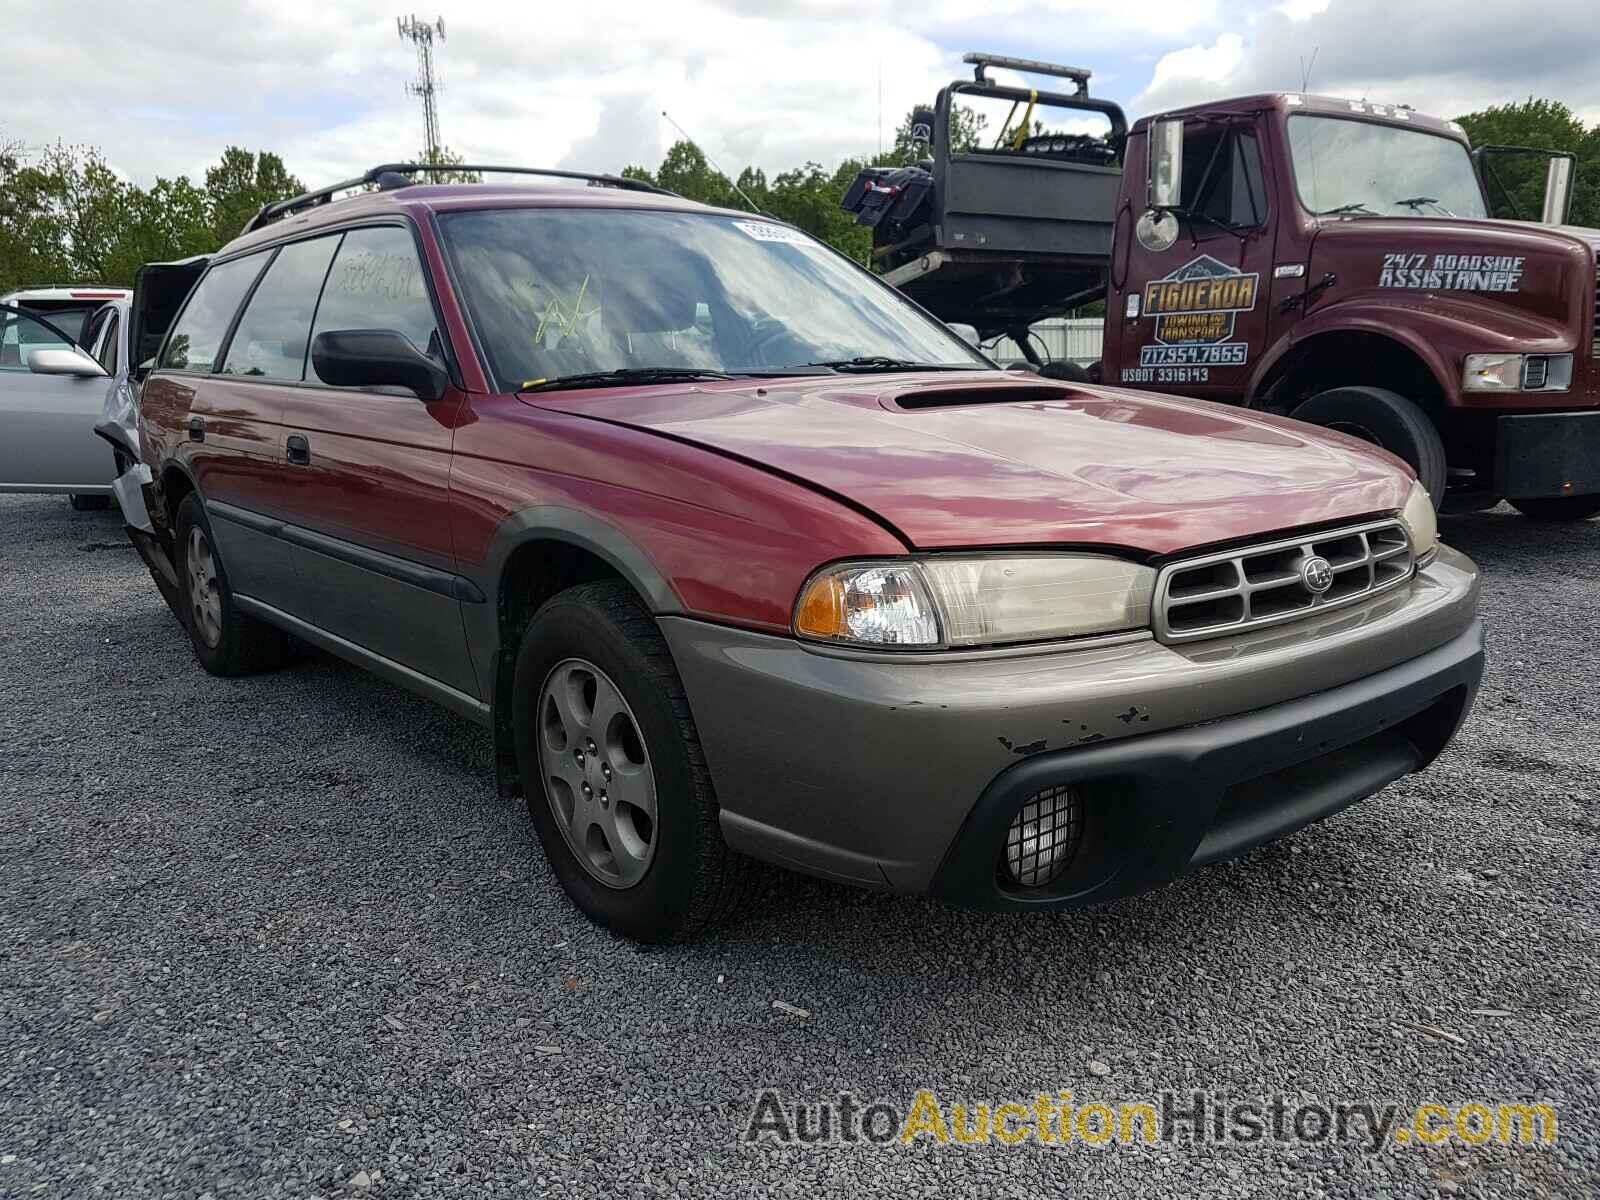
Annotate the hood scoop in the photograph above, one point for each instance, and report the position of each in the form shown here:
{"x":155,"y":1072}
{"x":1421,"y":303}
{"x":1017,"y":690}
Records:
{"x":965,"y":397}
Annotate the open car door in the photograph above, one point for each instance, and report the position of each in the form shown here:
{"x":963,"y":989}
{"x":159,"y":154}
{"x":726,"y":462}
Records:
{"x":159,"y":293}
{"x":159,"y":290}
{"x":51,"y":394}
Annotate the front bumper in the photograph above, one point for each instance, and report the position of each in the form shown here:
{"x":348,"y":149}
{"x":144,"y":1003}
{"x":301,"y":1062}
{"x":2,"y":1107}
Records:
{"x":1543,"y":455}
{"x":890,"y":770}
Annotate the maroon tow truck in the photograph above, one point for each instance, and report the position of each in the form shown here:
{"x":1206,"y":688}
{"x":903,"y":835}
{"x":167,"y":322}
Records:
{"x":1333,"y":260}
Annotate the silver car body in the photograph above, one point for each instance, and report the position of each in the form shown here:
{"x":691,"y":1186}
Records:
{"x":47,"y":421}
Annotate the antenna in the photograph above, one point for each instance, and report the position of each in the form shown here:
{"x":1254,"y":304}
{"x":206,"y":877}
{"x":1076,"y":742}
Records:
{"x":751,"y":203}
{"x":1306,"y":68}
{"x":422,"y":33}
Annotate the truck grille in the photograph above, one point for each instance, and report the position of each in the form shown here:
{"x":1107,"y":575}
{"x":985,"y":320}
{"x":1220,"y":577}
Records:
{"x":1594,"y":334}
{"x":1279,"y":581}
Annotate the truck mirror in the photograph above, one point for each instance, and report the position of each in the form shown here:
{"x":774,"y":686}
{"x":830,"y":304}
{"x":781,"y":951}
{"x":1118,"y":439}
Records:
{"x":1165,"y":188}
{"x":1557,"y":190}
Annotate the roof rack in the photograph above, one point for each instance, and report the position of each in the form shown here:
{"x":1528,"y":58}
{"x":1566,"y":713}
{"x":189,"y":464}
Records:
{"x":1029,"y":66}
{"x":390,"y":176}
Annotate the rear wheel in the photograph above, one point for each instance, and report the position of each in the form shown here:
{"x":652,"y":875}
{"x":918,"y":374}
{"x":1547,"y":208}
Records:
{"x":1387,"y":420}
{"x":90,"y":503}
{"x":616,"y":782}
{"x":225,"y":640}
{"x":1559,"y":508}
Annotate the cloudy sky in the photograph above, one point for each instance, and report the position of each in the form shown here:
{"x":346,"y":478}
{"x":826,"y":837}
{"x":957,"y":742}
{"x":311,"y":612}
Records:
{"x":162,"y":87}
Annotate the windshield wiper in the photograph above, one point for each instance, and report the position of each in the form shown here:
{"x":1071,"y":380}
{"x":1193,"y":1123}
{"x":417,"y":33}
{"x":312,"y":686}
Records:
{"x":1347,"y":209}
{"x":1191,"y":214}
{"x":1415,"y":203}
{"x":624,"y":377}
{"x":866,"y":363}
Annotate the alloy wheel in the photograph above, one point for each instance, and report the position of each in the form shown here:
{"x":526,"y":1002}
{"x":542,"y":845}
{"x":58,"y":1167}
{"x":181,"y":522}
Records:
{"x":205,"y":596}
{"x":597,"y":773}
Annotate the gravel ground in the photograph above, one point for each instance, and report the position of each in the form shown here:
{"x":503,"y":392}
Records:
{"x":277,"y":937}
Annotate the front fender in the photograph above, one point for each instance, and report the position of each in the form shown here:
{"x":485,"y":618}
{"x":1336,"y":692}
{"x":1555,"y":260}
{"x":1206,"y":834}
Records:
{"x":1440,"y":331}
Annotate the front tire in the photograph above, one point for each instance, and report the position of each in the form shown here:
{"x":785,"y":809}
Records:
{"x":615,"y":778}
{"x":1559,"y":508}
{"x":225,"y":640}
{"x":1387,"y":420}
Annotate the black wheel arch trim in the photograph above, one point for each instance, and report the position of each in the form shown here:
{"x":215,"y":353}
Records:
{"x":536,"y":523}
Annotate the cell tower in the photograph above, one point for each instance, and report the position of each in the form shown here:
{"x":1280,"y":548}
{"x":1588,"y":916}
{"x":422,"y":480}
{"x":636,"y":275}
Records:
{"x":423,"y":33}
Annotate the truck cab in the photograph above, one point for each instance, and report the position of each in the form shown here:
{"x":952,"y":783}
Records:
{"x":1334,"y":260}
{"x":1337,"y":260}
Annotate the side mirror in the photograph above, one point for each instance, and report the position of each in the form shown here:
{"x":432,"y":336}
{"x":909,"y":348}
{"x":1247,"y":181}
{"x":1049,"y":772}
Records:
{"x":1165,"y":181}
{"x":967,"y":333}
{"x":1557,"y":190}
{"x":376,"y":358}
{"x":65,"y":362}
{"x":1510,"y":177}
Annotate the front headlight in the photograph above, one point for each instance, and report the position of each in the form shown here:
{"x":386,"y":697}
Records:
{"x":974,"y":600}
{"x":1422,"y":525}
{"x":1517,"y":373}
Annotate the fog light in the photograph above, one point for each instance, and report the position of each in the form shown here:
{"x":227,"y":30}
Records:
{"x":1044,"y":836}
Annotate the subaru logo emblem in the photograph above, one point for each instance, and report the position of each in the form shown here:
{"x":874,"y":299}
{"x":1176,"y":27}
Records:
{"x":1316,"y":573}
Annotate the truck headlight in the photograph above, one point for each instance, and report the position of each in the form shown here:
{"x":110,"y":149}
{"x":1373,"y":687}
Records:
{"x":1517,"y":373}
{"x":974,"y":600}
{"x":1422,"y":525}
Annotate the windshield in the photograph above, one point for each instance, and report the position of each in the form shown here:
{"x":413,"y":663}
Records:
{"x":555,"y":292}
{"x":1362,"y":167}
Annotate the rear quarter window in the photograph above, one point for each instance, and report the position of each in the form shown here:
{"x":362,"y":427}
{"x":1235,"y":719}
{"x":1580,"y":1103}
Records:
{"x":198,"y":334}
{"x":271,"y":339}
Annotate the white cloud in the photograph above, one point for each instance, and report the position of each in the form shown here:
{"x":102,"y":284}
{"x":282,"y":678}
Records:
{"x":161,"y":88}
{"x":1441,"y":56}
{"x":1204,"y":68}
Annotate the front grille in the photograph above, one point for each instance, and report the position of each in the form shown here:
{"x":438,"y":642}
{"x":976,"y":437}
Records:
{"x":1594,"y":334}
{"x":1279,"y":581}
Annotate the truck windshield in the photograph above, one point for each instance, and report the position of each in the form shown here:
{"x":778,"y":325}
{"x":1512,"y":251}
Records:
{"x":1365,"y":168}
{"x":558,"y":292}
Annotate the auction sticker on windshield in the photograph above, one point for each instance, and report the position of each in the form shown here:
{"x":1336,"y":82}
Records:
{"x":763,"y":232}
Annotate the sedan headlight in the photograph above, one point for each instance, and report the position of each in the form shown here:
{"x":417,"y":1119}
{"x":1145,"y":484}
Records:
{"x":1422,"y":525}
{"x":974,"y":600}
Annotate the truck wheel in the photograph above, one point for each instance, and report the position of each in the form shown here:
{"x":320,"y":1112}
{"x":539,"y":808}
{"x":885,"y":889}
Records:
{"x":225,"y":640}
{"x":1559,"y":508}
{"x":1387,"y":420}
{"x":90,"y":503}
{"x":616,"y":781}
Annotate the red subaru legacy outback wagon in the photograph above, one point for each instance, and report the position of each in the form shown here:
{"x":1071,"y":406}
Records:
{"x":740,"y":554}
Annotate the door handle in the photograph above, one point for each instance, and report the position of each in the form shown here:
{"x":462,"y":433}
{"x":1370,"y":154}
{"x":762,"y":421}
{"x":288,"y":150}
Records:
{"x":1311,"y":293}
{"x":197,"y":429}
{"x":298,"y":450}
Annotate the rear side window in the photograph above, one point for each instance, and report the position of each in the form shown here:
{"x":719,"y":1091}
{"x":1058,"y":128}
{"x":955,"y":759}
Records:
{"x":275,"y":329}
{"x":377,"y":283}
{"x":199,"y":332}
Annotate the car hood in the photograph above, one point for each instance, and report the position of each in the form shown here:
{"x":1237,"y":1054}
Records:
{"x":970,"y":460}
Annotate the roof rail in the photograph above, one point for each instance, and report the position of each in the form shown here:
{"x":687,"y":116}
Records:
{"x":389,"y":176}
{"x":1029,"y":66}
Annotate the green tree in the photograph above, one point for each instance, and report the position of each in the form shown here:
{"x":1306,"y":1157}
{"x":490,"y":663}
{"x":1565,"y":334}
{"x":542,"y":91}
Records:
{"x":1544,"y":125}
{"x":240,"y":184}
{"x":446,"y":157}
{"x":67,"y":217}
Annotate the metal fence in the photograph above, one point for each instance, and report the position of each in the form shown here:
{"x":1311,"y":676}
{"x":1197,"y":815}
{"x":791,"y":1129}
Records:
{"x":1076,"y":338}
